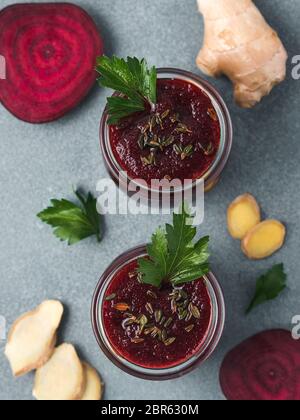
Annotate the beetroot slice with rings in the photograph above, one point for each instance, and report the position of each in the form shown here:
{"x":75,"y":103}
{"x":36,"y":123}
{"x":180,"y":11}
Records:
{"x":50,"y":52}
{"x":265,"y":367}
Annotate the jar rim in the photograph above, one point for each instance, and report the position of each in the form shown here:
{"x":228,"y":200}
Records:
{"x":204,"y":352}
{"x":215,"y":170}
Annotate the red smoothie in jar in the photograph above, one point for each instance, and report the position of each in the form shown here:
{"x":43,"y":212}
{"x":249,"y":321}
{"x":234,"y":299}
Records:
{"x":155,"y":328}
{"x":180,"y":139}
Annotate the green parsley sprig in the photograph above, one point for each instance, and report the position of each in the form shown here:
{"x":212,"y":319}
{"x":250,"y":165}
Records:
{"x":72,"y":222}
{"x":269,"y":286}
{"x":133,"y":79}
{"x":174,"y":256}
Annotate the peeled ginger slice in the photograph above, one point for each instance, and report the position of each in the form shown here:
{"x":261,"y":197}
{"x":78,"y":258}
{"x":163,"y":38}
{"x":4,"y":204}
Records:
{"x":242,"y":215}
{"x":61,"y":378}
{"x":93,"y":384}
{"x":264,"y":240}
{"x":32,"y":337}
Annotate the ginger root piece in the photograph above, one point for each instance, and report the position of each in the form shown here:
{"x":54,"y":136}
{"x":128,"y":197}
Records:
{"x":93,"y":385}
{"x":242,"y":215}
{"x":61,"y":378}
{"x":32,"y":338}
{"x":264,"y":240}
{"x":239,"y":43}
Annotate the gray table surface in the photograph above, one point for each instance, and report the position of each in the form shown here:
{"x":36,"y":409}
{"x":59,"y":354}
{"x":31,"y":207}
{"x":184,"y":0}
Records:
{"x":39,"y":162}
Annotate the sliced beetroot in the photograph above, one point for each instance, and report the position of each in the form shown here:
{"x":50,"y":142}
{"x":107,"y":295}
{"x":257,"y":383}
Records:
{"x":50,"y":51}
{"x":266,"y":367}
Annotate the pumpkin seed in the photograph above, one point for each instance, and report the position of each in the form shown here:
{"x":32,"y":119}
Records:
{"x":141,"y":142}
{"x":170,"y":341}
{"x":182,"y":314}
{"x":158,"y":315}
{"x":189,"y":316}
{"x":174,"y":118}
{"x":173,"y":306}
{"x":168,"y":322}
{"x":111,"y":297}
{"x":209,"y":150}
{"x":195,"y":311}
{"x":165,"y":114}
{"x":189,"y":328}
{"x":137,"y":340}
{"x":182,"y":128}
{"x":187,"y":152}
{"x":127,"y":322}
{"x":122,"y":307}
{"x":163,"y":320}
{"x":178,"y":149}
{"x":149,"y":308}
{"x":151,"y":294}
{"x":154,"y":332}
{"x":212,"y":114}
{"x":132,"y":274}
{"x":142,"y":320}
{"x":152,"y":123}
{"x":149,"y":330}
{"x":145,"y":128}
{"x":183,"y":294}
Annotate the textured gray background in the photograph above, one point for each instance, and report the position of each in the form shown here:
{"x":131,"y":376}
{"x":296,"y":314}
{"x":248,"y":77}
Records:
{"x":41,"y":162}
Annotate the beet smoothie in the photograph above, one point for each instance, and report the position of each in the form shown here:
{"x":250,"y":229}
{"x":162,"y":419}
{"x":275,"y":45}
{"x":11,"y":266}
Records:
{"x":155,"y":328}
{"x":179,"y":139}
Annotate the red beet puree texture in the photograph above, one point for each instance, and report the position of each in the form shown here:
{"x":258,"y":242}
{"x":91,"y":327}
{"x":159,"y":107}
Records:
{"x":179,"y":140}
{"x":155,"y":328}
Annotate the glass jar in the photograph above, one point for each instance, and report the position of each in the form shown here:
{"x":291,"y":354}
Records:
{"x":208,"y":346}
{"x":211,"y":177}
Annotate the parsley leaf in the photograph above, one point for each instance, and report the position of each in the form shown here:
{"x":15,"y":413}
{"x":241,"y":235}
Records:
{"x":73,"y":223}
{"x":132,"y":79}
{"x":173,"y":255}
{"x":269,"y":286}
{"x":155,"y":268}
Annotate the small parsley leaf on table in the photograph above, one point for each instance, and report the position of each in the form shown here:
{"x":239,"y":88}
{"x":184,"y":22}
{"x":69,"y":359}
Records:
{"x":133,"y":80}
{"x":72,"y":222}
{"x":174,"y":256}
{"x":269,"y":286}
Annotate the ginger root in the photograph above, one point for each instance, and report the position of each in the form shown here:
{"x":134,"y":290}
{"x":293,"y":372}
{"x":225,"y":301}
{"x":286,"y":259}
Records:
{"x":32,"y":338}
{"x":242,"y":215}
{"x":264,"y":240}
{"x":240,"y":44}
{"x":93,"y":384}
{"x":60,"y":374}
{"x":61,"y":378}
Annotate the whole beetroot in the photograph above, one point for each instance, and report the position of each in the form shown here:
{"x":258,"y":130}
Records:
{"x":50,"y":52}
{"x":265,"y":367}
